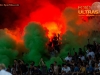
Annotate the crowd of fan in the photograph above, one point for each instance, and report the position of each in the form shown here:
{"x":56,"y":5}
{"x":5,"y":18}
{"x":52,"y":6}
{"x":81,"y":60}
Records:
{"x":81,"y":63}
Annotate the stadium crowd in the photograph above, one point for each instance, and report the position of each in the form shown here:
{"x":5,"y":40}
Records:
{"x":81,"y":63}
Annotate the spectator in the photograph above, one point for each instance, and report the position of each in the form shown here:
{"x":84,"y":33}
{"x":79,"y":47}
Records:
{"x":90,"y":60}
{"x":68,"y":58}
{"x":2,"y":70}
{"x":9,"y":69}
{"x":17,"y":66}
{"x":55,"y":68}
{"x":75,"y":57}
{"x":90,"y":53}
{"x":89,"y":70}
{"x":39,"y":70}
{"x":96,"y":68}
{"x":23,"y":67}
{"x":94,"y":47}
{"x":99,"y":65}
{"x":77,"y":64}
{"x":36,"y":71}
{"x":76,"y":70}
{"x":80,"y":51}
{"x":43,"y":67}
{"x":31,"y":69}
{"x":59,"y":69}
{"x":97,"y":54}
{"x":51,"y":69}
{"x":82,"y":57}
{"x":13,"y":70}
{"x":82,"y":69}
{"x":66,"y":69}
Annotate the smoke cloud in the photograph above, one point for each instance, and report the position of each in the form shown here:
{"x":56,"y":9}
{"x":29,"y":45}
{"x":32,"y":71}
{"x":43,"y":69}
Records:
{"x":46,"y":16}
{"x":7,"y":48}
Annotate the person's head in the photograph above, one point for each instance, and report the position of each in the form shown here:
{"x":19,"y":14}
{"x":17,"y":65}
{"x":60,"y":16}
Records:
{"x":87,"y":65}
{"x":21,"y":63}
{"x":94,"y":42}
{"x":81,"y":65}
{"x":80,"y":49}
{"x":88,"y":48}
{"x":13,"y":66}
{"x":38,"y":67}
{"x":55,"y":37}
{"x":2,"y":66}
{"x":59,"y":66}
{"x":44,"y":64}
{"x":69,"y":55}
{"x":75,"y":53}
{"x":65,"y":66}
{"x":55,"y":63}
{"x":35,"y":67}
{"x":75,"y":65}
{"x":80,"y":55}
{"x":99,"y":60}
{"x":72,"y":61}
{"x":90,"y":57}
{"x":79,"y":60}
{"x":33,"y":62}
{"x":15,"y":60}
{"x":99,"y":44}
{"x":51,"y":66}
{"x":96,"y":65}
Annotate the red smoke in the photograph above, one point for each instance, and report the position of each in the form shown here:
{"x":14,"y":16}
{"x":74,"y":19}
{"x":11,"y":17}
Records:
{"x":46,"y":12}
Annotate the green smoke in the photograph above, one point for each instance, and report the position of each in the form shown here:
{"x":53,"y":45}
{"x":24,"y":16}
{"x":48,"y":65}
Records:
{"x":78,"y":32}
{"x":35,"y":40}
{"x":7,"y":46}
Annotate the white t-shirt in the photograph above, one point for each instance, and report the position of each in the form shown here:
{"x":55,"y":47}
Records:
{"x":87,"y":51}
{"x":68,"y":58}
{"x":82,"y":58}
{"x":55,"y":68}
{"x":99,"y":66}
{"x":90,"y":62}
{"x":91,"y":54}
{"x":3,"y":72}
{"x":66,"y":69}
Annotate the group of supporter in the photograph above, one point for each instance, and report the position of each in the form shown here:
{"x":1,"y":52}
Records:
{"x":83,"y":62}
